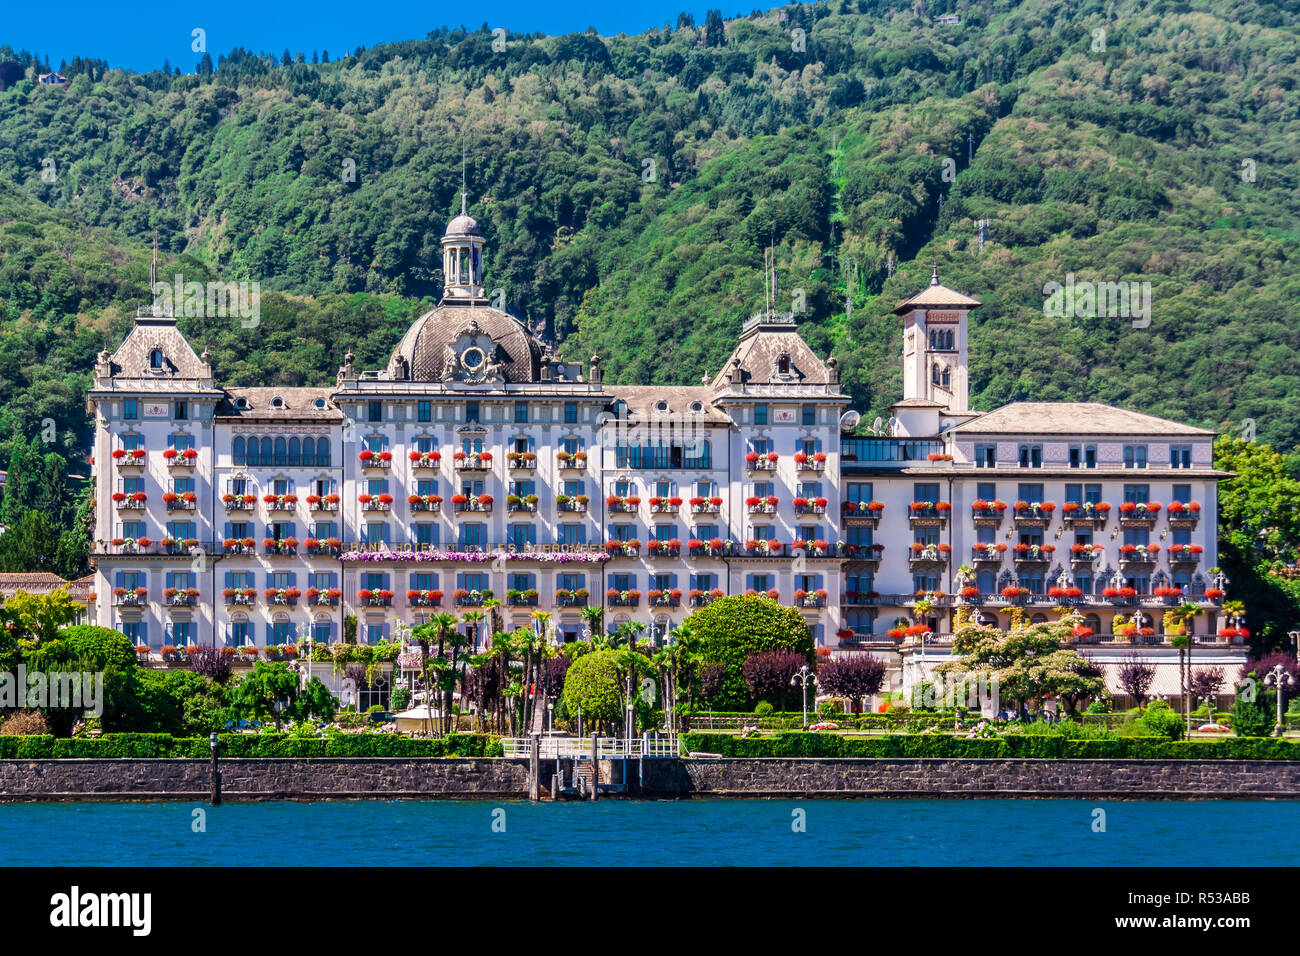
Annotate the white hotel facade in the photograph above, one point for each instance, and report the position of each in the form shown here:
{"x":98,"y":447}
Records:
{"x":476,"y":463}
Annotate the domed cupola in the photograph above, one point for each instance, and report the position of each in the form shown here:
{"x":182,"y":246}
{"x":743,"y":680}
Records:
{"x":462,"y":259}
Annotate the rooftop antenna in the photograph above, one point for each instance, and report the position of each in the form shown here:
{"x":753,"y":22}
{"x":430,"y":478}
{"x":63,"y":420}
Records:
{"x":462,"y":171}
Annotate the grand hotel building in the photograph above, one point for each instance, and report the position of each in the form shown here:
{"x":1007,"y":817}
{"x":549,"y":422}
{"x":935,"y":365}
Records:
{"x":478,"y":464}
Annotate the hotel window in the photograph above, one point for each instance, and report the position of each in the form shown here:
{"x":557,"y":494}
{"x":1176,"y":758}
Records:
{"x":180,"y":442}
{"x":705,"y":532}
{"x":180,"y":632}
{"x":424,"y":411}
{"x":1180,"y":456}
{"x":376,"y":411}
{"x":181,"y":411}
{"x":925,"y":491}
{"x":1083,"y":456}
{"x":1135,"y":456}
{"x":860,"y":536}
{"x":1092,"y":494}
{"x":858,"y":492}
{"x":473,"y":536}
{"x":1032,"y":493}
{"x":523,"y":536}
{"x":471,"y":411}
{"x":426,"y":533}
{"x":570,"y":413}
{"x":182,"y":485}
{"x":155,"y":358}
{"x":130,"y":409}
{"x":1031,"y":456}
{"x":764,"y":489}
{"x":575,"y":488}
{"x":573,"y":534}
{"x":1138,"y":494}
{"x":760,"y":446}
{"x":986,"y":491}
{"x":571,"y":445}
{"x":760,"y":414}
{"x":521,"y":413}
{"x":986,"y":456}
{"x":810,"y":414}
{"x":376,"y":532}
{"x":1182,"y":493}
{"x":624,"y":532}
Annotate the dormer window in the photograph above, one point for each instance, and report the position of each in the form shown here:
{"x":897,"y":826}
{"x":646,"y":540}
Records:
{"x":661,"y":405}
{"x":620,"y":409}
{"x":156,"y":359}
{"x":241,"y":403}
{"x":277,"y":402}
{"x":783,"y":365}
{"x":319,"y":403}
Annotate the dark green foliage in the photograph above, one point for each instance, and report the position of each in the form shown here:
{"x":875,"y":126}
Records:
{"x":731,"y":629}
{"x":593,"y":684}
{"x":141,"y":745}
{"x":1161,"y":720}
{"x":1033,"y":746}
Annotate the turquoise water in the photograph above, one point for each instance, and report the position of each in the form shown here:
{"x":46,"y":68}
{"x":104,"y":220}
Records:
{"x":648,"y":833}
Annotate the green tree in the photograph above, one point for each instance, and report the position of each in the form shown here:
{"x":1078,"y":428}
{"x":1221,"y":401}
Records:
{"x":730,"y":629}
{"x":267,"y":693}
{"x":594,"y":686}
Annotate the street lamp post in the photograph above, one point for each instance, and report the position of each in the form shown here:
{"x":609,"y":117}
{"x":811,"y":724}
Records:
{"x":804,"y":677}
{"x":1279,"y":678}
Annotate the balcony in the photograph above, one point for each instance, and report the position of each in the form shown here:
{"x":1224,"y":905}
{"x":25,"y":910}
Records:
{"x":1084,"y":554}
{"x":928,"y":513}
{"x":1033,"y":515}
{"x":375,"y":502}
{"x":987,"y":513}
{"x":1085,"y":514}
{"x":810,"y":506}
{"x":761,"y":506}
{"x":810,"y":464}
{"x":860,"y":599}
{"x":129,"y":462}
{"x":1184,"y":515}
{"x":713,"y":548}
{"x":431,"y":504}
{"x":865,"y":552}
{"x":527,"y":504}
{"x":1138,"y":515}
{"x":577,"y":503}
{"x":462,"y":504}
{"x":275,"y":503}
{"x":236,"y":546}
{"x":177,"y":597}
{"x":705,"y":506}
{"x":126,"y":597}
{"x":284,"y":597}
{"x":245,"y":597}
{"x":188,"y":501}
{"x":567,"y":598}
{"x":319,"y":598}
{"x":1033,"y":554}
{"x":811,"y":549}
{"x":1185,"y":553}
{"x":701,"y":598}
{"x":615,"y":598}
{"x":179,"y":546}
{"x":665,"y":506}
{"x":132,"y":502}
{"x":623,"y":549}
{"x":862,"y":513}
{"x":521,"y":461}
{"x":327,"y":547}
{"x":239,"y":502}
{"x":571,"y":462}
{"x":988,"y":554}
{"x":1133,"y":554}
{"x":664,"y":549}
{"x":526,"y":598}
{"x":810,"y":599}
{"x":923,"y":556}
{"x":328,"y":503}
{"x":479,"y":462}
{"x":657,"y":598}
{"x":425,"y":460}
{"x":180,"y":460}
{"x":368,"y":598}
{"x":756,"y":548}
{"x":282,"y":547}
{"x":370,"y":460}
{"x":758,"y":464}
{"x":615,"y":504}
{"x":467,"y":598}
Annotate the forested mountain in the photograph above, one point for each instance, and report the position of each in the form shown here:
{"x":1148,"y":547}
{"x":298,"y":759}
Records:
{"x":627,"y":187}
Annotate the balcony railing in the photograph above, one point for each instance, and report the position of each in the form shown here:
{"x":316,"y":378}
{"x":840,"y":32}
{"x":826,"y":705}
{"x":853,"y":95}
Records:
{"x":129,"y":599}
{"x":566,"y":462}
{"x":481,"y":505}
{"x":1033,"y":555}
{"x":928,"y":556}
{"x":178,"y":503}
{"x":1183,"y":555}
{"x":242,"y":597}
{"x":130,"y":503}
{"x":571,"y":598}
{"x":323,"y":504}
{"x":376,"y":460}
{"x":238,"y":502}
{"x":428,"y":503}
{"x":473,"y":463}
{"x":1034,"y":516}
{"x":522,"y":461}
{"x":624,"y":599}
{"x":663,"y":600}
{"x":926,"y":513}
{"x":810,"y":464}
{"x":705,"y":506}
{"x":761,"y":465}
{"x":572,"y":504}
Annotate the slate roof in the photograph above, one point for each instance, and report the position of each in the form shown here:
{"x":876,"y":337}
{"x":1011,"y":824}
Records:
{"x":296,"y":404}
{"x":641,"y":400}
{"x":1073,"y":418}
{"x":761,"y":346}
{"x":936,"y":295}
{"x":424,"y":346}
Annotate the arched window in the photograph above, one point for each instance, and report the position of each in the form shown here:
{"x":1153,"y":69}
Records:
{"x":155,"y":358}
{"x":783,"y":365}
{"x":267,"y":458}
{"x":237,"y":451}
{"x":934,"y":374}
{"x":295,"y":451}
{"x":322,"y":452}
{"x":945,"y":377}
{"x":1093,"y":622}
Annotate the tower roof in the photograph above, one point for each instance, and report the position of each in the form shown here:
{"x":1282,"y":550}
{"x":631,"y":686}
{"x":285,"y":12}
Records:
{"x":936,"y":295}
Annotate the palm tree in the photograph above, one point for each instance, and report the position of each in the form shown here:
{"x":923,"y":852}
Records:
{"x":445,"y":627}
{"x":594,"y":617}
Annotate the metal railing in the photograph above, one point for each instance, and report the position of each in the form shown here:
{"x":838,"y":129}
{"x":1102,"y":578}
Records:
{"x":607,"y":748}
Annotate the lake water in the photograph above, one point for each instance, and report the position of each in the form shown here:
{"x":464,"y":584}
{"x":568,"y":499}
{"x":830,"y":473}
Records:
{"x":648,"y":833}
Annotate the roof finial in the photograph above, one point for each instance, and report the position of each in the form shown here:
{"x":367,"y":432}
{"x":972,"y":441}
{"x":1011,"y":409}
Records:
{"x":934,"y":275}
{"x":462,"y":172}
{"x":153,"y":268}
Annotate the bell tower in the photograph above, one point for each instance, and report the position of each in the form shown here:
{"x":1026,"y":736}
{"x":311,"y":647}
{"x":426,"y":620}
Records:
{"x":462,"y":259}
{"x":935,"y":358}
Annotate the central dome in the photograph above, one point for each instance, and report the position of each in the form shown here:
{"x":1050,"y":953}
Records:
{"x":474,"y":344}
{"x":462,"y":225}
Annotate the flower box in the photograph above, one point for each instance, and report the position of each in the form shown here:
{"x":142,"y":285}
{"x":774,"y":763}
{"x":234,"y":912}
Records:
{"x":930,"y":512}
{"x":472,"y":461}
{"x":617,"y":598}
{"x":571,"y":462}
{"x":705,"y":505}
{"x":575,"y":503}
{"x":521,"y":460}
{"x":471,"y":503}
{"x":132,"y":460}
{"x":527,"y":503}
{"x":756,"y":462}
{"x":430,"y":503}
{"x":239,"y":502}
{"x":371,"y":459}
{"x":425,"y":459}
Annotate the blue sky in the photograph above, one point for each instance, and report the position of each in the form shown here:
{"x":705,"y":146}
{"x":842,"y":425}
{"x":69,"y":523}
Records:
{"x":141,"y":35}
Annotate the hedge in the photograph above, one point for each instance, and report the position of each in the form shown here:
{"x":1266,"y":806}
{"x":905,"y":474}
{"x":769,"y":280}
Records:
{"x":45,"y":747}
{"x":926,"y":745}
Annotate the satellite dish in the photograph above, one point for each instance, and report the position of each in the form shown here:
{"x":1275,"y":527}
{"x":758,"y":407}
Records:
{"x":849,"y":420}
{"x":893,"y":424}
{"x":875,"y":426}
